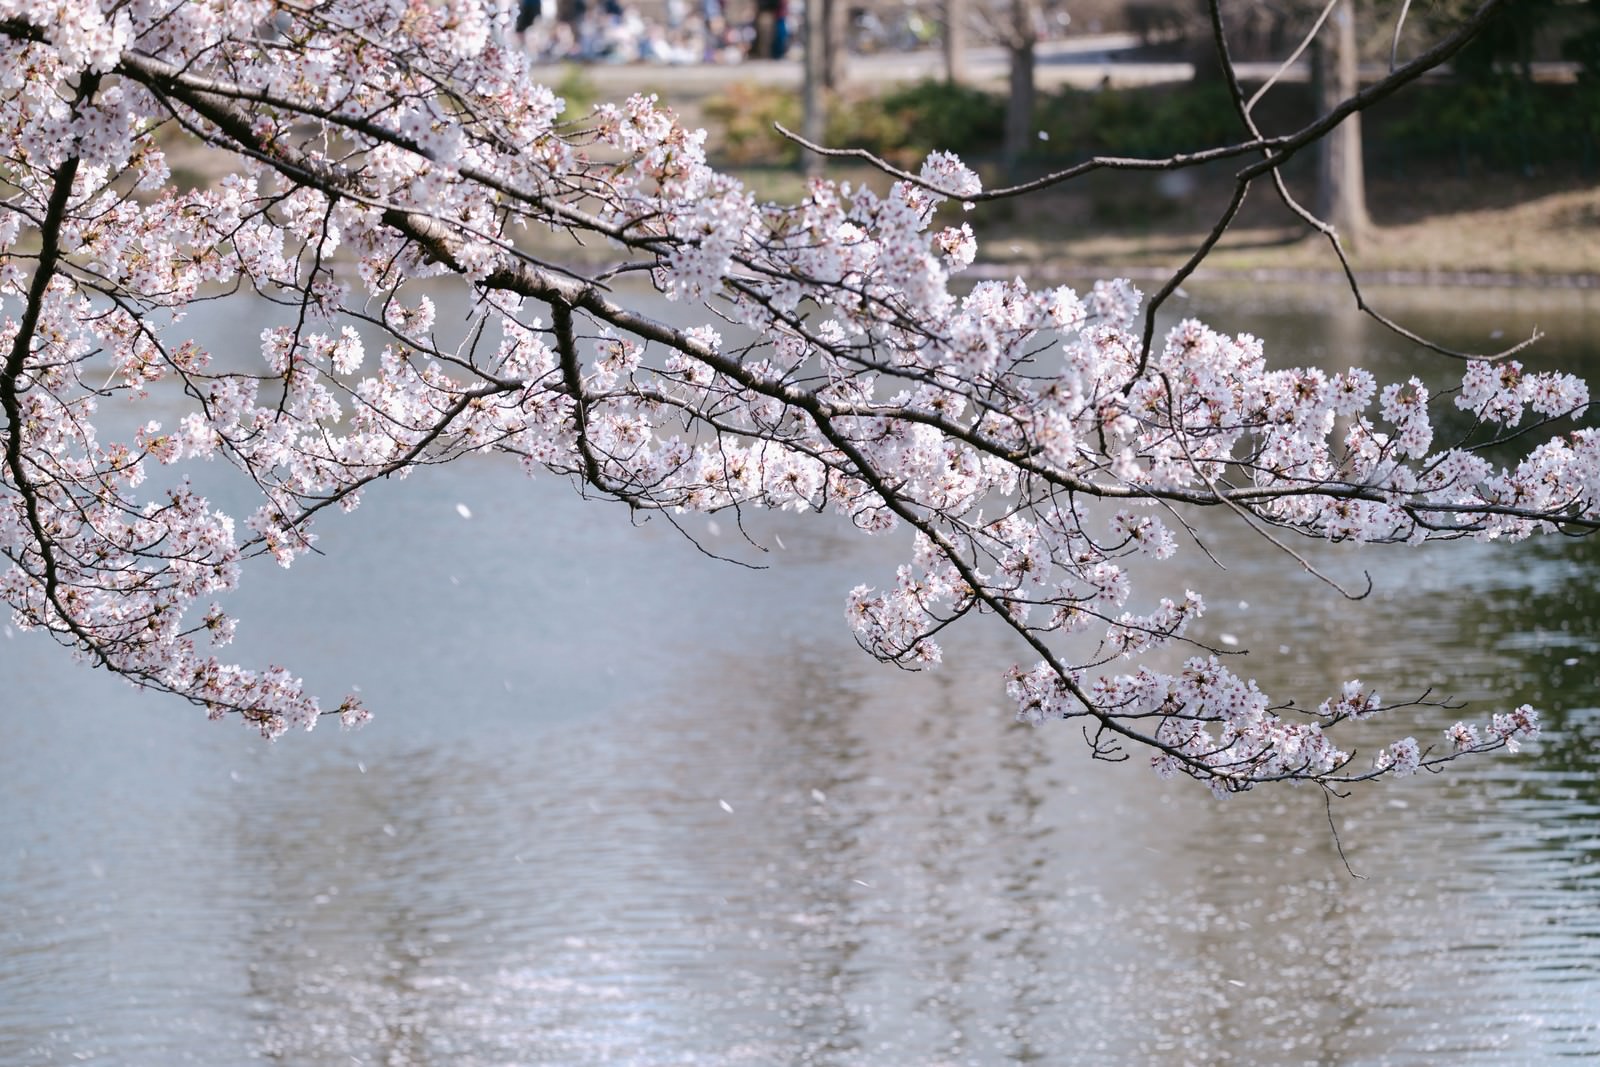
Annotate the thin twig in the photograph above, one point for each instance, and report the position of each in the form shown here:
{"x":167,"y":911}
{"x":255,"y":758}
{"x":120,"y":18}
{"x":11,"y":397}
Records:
{"x":1305,"y":42}
{"x":1327,"y":797}
{"x":1399,"y":24}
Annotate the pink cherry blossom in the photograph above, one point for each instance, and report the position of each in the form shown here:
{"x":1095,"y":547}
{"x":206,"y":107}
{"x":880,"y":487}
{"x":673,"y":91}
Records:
{"x":1029,"y":440}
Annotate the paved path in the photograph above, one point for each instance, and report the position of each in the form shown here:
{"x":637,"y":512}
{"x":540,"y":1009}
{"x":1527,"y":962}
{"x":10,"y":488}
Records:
{"x":1083,"y":62}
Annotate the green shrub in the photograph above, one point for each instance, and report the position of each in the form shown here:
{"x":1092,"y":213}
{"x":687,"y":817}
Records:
{"x":903,"y":125}
{"x":577,"y":90}
{"x":933,"y":115}
{"x":1136,"y":122}
{"x":742,"y":115}
{"x":1500,"y":121}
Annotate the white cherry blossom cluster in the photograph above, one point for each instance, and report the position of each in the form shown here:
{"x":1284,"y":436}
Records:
{"x":1026,"y":437}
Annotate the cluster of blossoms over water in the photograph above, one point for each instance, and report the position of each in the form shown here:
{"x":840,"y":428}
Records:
{"x":1026,"y":437}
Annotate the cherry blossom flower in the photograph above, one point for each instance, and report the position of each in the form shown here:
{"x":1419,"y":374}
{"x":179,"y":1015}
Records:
{"x":1037,"y":450}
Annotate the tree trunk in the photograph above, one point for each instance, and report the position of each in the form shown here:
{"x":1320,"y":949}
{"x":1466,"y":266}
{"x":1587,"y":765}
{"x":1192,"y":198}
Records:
{"x":1201,"y":46}
{"x":836,"y":41}
{"x":1341,"y":182}
{"x":955,"y":41}
{"x":1020,"y":103}
{"x":814,"y":118}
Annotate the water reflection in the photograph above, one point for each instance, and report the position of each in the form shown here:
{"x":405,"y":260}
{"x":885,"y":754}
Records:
{"x":628,"y":805}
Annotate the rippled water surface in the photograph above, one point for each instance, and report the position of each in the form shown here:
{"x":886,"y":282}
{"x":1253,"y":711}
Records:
{"x":625,"y":804}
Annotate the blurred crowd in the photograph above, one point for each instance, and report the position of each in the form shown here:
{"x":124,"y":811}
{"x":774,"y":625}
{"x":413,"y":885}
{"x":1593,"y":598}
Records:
{"x":723,"y":31}
{"x":693,"y":31}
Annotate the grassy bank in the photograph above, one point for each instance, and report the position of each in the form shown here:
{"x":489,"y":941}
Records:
{"x":1451,"y":231}
{"x":1441,"y":231}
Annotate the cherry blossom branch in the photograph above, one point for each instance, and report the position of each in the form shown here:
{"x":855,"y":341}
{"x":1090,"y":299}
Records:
{"x":16,"y":360}
{"x":1027,"y":438}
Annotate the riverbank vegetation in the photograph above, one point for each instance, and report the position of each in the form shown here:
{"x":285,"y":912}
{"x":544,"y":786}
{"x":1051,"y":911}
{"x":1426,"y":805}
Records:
{"x":1495,"y":179}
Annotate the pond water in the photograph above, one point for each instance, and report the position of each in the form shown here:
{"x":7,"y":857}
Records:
{"x":625,"y":804}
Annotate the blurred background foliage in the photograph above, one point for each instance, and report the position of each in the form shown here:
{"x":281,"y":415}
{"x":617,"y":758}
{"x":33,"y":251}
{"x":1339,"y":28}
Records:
{"x":1497,"y":108}
{"x":1494,"y":122}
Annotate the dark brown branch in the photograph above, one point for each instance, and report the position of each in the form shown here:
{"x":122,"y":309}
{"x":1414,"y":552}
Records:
{"x":16,"y":363}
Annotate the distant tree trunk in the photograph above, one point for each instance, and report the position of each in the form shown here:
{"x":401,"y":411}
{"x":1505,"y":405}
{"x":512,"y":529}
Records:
{"x":1020,"y":44}
{"x":955,"y":41}
{"x":1201,"y":46}
{"x":1341,"y":182}
{"x":811,"y":89}
{"x":836,"y":41}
